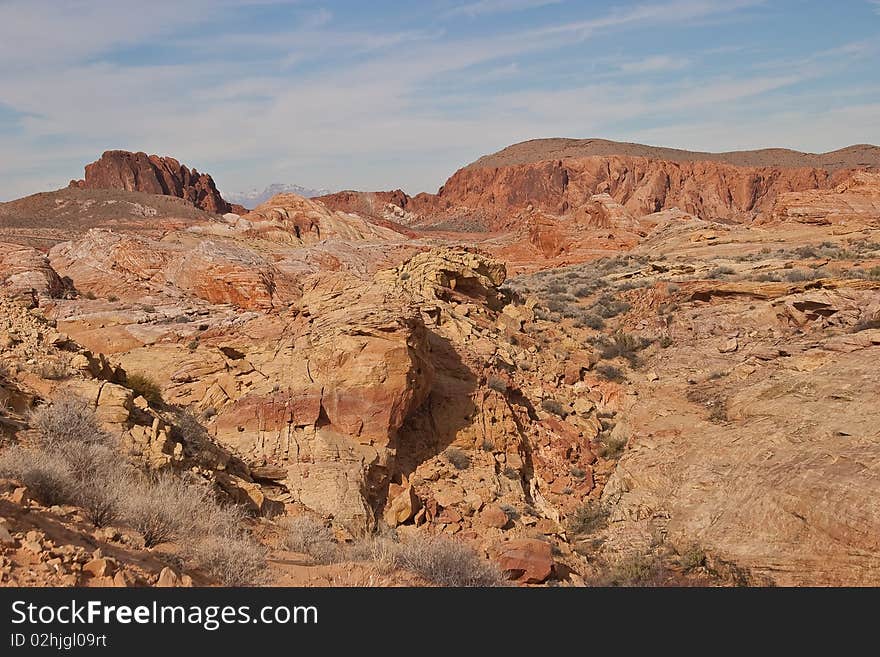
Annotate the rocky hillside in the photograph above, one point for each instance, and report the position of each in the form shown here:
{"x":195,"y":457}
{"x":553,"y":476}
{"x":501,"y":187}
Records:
{"x":543,"y":150}
{"x":153,"y":174}
{"x":561,"y":177}
{"x":595,"y":396}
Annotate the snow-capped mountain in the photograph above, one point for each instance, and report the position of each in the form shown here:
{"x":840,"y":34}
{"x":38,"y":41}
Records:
{"x":254,"y":197}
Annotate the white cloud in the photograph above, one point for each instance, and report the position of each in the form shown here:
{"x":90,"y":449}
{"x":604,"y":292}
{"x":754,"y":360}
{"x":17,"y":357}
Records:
{"x":328,"y":106}
{"x":482,"y":7}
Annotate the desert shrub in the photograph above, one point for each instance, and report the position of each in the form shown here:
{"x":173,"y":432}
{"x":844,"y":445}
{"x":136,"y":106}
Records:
{"x":692,"y":558}
{"x":555,"y":407}
{"x":458,"y":458}
{"x":381,"y":550}
{"x":634,"y":570}
{"x":665,"y":342}
{"x":66,"y":419}
{"x":577,"y":473}
{"x":632,"y":285}
{"x":497,"y":384}
{"x":872,"y":274}
{"x":592,"y":320}
{"x":608,"y":306}
{"x":587,"y":518}
{"x":556,"y":304}
{"x":145,"y":386}
{"x":866,"y":324}
{"x":488,"y":445}
{"x":611,"y":447}
{"x":511,"y":473}
{"x":623,"y":345}
{"x":583,"y":291}
{"x":720,"y":272}
{"x":231,"y":560}
{"x":310,"y":536}
{"x":511,"y":511}
{"x":45,"y":475}
{"x":100,"y":502}
{"x":89,"y":295}
{"x":610,"y":373}
{"x":797,"y":275}
{"x":166,"y":507}
{"x":768,"y":277}
{"x":54,"y":370}
{"x":447,"y":562}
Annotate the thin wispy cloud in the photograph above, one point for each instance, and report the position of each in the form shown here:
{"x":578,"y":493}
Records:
{"x":257,"y":92}
{"x":483,"y":7}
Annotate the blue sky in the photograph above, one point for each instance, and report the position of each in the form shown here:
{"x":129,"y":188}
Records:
{"x":381,"y":94}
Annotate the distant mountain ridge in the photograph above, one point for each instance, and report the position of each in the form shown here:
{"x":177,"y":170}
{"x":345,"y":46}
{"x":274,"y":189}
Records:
{"x":542,"y":150}
{"x":254,"y":197}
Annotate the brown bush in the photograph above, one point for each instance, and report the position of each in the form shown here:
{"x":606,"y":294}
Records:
{"x":146,"y":387}
{"x":447,"y":562}
{"x":45,"y":475}
{"x":164,"y":507}
{"x":231,"y":560}
{"x":310,"y":536}
{"x":67,"y":419}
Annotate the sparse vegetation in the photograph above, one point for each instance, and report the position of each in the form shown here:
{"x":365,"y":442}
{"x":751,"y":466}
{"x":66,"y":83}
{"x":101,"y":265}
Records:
{"x":635,"y":570}
{"x":588,"y":518}
{"x":555,"y":407}
{"x":458,"y":458}
{"x":622,"y":345}
{"x":72,"y":461}
{"x":231,"y":560}
{"x":610,"y":373}
{"x":611,"y":447}
{"x":165,"y":507}
{"x":310,"y":536}
{"x":721,"y":272}
{"x":692,"y":558}
{"x":497,"y":384}
{"x":146,"y":387}
{"x":447,"y":562}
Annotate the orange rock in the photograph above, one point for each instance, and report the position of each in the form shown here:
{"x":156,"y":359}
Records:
{"x":526,"y":560}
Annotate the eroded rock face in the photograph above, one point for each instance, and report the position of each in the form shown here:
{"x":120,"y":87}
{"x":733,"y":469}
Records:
{"x":126,"y":266}
{"x":139,"y":172}
{"x":299,"y":220}
{"x":25,"y":272}
{"x":642,"y":186}
{"x":854,"y":201}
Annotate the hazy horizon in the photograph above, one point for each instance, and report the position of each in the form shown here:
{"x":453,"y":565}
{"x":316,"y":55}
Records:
{"x":340,"y":96}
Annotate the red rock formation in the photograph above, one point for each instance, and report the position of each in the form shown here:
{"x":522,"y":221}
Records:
{"x":155,"y":175}
{"x":642,"y":186}
{"x":855,"y":200}
{"x":369,"y":203}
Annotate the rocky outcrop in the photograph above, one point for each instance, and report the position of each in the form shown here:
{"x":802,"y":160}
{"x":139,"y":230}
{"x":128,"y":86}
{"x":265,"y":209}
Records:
{"x":139,"y":172}
{"x":642,"y":186}
{"x":306,"y":222}
{"x":26,"y":273}
{"x":366,"y":203}
{"x":107,"y":264}
{"x":856,"y":200}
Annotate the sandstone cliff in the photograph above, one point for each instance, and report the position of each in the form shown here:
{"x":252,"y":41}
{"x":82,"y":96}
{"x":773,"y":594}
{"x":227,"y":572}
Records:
{"x":139,"y":172}
{"x":642,"y":186}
